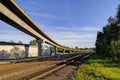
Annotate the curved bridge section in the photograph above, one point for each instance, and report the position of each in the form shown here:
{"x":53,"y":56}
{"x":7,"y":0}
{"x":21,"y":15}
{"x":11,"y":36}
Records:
{"x":12,"y":14}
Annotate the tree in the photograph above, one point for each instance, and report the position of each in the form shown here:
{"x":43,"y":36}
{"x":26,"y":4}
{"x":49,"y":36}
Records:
{"x":33,"y":42}
{"x":17,"y":52}
{"x":108,"y":41}
{"x":12,"y":41}
{"x":76,"y":48}
{"x":4,"y":54}
{"x":20,"y":42}
{"x":111,"y":20}
{"x":118,"y":14}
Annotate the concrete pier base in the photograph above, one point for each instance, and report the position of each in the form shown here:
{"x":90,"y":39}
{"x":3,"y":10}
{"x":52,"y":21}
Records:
{"x":40,"y":47}
{"x":26,"y":50}
{"x":55,"y":50}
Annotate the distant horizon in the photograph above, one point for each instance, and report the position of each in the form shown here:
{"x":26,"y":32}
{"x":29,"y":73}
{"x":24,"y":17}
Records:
{"x":69,"y":23}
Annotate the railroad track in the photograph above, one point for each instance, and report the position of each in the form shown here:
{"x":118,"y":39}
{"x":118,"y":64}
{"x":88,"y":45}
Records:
{"x":37,"y":72}
{"x":54,"y":68}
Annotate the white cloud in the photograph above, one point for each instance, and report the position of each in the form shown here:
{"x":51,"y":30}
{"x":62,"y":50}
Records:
{"x":72,"y":36}
{"x":68,"y":35}
{"x":43,"y":15}
{"x":90,"y":29}
{"x":73,"y":39}
{"x":33,"y":3}
{"x":8,"y":33}
{"x":8,"y":37}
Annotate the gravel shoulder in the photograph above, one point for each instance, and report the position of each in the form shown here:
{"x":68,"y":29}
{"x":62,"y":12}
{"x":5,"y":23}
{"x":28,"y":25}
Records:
{"x":66,"y":73}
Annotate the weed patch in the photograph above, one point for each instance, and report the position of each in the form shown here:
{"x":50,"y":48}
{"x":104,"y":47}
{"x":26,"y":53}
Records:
{"x":98,"y":69}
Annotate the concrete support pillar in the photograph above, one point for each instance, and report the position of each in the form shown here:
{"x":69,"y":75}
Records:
{"x":50,"y":51}
{"x":70,"y":51}
{"x":63,"y":50}
{"x":26,"y":50}
{"x":55,"y":50}
{"x":40,"y":47}
{"x":74,"y":51}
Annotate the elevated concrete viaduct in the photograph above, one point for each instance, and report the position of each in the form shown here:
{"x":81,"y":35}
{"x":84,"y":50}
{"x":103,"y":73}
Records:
{"x":12,"y":14}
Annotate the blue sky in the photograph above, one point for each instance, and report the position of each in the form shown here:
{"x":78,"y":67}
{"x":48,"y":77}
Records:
{"x":68,"y":22}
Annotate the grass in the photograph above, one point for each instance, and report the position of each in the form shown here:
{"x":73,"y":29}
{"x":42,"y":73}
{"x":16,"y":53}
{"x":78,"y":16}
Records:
{"x":98,"y":69}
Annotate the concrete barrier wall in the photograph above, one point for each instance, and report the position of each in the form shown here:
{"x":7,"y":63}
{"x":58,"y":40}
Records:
{"x":33,"y":51}
{"x":9,"y":47}
{"x":18,"y":51}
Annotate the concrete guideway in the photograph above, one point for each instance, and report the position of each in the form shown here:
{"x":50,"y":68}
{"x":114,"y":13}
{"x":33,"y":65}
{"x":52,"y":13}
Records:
{"x":12,"y":14}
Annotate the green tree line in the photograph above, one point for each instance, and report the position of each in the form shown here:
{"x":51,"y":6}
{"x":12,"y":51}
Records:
{"x":32,"y":42}
{"x":108,"y":41}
